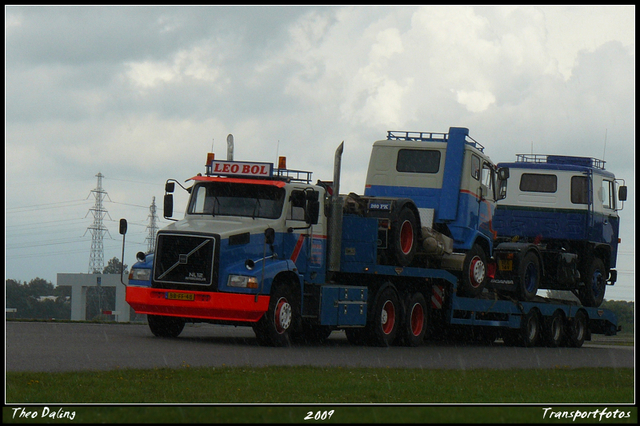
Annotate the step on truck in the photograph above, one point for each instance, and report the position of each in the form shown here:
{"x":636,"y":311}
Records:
{"x":265,"y":247}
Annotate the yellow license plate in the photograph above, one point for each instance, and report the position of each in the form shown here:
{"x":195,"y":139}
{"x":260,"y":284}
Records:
{"x":180,"y":296}
{"x":505,"y":265}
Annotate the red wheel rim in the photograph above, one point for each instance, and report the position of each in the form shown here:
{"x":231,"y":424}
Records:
{"x":406,"y":237}
{"x":477,"y":271}
{"x":282,"y":315}
{"x":388,"y":317}
{"x":417,"y":319}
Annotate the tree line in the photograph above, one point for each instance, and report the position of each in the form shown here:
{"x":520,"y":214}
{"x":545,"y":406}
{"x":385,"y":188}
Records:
{"x":40,"y":299}
{"x":27,"y":299}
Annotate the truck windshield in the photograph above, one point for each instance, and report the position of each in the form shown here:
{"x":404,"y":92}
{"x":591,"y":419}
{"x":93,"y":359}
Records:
{"x":235,"y":199}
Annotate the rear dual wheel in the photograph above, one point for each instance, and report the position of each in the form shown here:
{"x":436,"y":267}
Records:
{"x":404,"y":237}
{"x":553,"y":331}
{"x":415,"y":321}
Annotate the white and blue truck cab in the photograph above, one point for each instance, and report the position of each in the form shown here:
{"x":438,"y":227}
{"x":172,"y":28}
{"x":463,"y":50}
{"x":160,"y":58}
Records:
{"x":452,"y":184}
{"x":558,"y":226}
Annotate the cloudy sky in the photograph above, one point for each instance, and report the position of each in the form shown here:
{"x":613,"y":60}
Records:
{"x":141,"y":94}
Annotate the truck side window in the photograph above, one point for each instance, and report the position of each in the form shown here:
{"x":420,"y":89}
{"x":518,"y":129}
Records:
{"x":580,"y":190}
{"x":534,"y":182}
{"x":475,"y":167}
{"x":418,"y":161}
{"x":608,"y":195}
{"x":487,"y":180}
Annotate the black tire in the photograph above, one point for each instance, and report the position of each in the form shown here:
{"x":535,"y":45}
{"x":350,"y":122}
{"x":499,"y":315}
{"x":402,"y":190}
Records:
{"x":577,"y":330}
{"x":277,"y":325}
{"x":529,"y":332}
{"x":162,"y":326}
{"x":474,"y":273}
{"x":529,"y":277}
{"x":404,"y":237}
{"x":385,"y":319}
{"x":554,"y":330}
{"x":595,"y":284}
{"x":530,"y":329}
{"x":414,"y":320}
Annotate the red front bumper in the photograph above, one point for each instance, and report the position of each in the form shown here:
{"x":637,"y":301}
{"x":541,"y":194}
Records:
{"x":205,"y":305}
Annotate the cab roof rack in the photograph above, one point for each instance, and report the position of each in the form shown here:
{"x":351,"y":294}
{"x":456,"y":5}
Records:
{"x":561,"y":159}
{"x":428,"y":137}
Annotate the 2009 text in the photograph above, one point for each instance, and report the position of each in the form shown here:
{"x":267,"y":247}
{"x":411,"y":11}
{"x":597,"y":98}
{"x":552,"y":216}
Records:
{"x":320,"y":415}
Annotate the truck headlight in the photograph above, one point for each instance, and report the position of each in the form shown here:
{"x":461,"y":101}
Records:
{"x":242,"y":281}
{"x":140,"y":274}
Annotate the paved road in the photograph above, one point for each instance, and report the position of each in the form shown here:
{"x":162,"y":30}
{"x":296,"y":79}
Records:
{"x":51,"y":346}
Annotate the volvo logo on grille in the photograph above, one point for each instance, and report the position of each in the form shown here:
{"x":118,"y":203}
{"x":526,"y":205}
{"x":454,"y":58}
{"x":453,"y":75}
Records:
{"x":197,"y":257}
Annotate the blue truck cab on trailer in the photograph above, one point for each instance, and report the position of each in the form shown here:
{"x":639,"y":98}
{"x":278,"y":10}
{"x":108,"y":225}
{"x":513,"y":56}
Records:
{"x":451,"y":183}
{"x":558,"y":226}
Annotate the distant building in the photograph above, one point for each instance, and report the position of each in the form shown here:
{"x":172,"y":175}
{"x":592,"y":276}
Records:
{"x":79,"y":284}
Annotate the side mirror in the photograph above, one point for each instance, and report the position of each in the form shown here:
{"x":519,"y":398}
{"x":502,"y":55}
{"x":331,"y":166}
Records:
{"x":168,"y":205}
{"x":622,"y":193}
{"x":312,"y":212}
{"x":169,"y":187}
{"x":269,"y":236}
{"x":503,"y":173}
{"x":123,"y":226}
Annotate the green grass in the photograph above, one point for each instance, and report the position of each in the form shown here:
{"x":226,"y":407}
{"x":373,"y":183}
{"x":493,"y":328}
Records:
{"x":357,"y":395}
{"x":323,"y":385}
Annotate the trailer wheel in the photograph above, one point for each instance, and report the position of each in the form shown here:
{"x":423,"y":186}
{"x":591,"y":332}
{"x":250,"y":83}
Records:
{"x":474,"y":273}
{"x":385,"y":324}
{"x":404,"y":237}
{"x":162,"y":326}
{"x":530,"y":329}
{"x":529,"y":273}
{"x":276,"y":326}
{"x":554,"y":330}
{"x":414,"y":323}
{"x":528,"y":334}
{"x":577,"y":330}
{"x":595,"y":284}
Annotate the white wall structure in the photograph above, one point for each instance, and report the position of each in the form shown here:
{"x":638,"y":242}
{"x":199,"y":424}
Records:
{"x":79,"y":284}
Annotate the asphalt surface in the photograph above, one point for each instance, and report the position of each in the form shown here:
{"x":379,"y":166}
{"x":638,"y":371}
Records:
{"x":58,"y":346}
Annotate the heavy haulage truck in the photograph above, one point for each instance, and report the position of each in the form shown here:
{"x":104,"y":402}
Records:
{"x":413,"y":256}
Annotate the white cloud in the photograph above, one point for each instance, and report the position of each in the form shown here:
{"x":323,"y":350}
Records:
{"x":139,"y":93}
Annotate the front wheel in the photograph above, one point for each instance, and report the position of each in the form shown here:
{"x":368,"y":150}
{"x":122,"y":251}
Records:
{"x":162,"y":326}
{"x":529,"y":277}
{"x":595,"y":284}
{"x":474,"y":273}
{"x":275,"y":328}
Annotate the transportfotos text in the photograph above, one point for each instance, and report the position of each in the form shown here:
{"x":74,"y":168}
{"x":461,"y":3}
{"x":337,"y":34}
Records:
{"x":550,"y":413}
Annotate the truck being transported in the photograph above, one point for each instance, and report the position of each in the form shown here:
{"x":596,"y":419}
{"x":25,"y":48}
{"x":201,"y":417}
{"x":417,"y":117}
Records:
{"x":265,"y":247}
{"x":557,"y":227}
